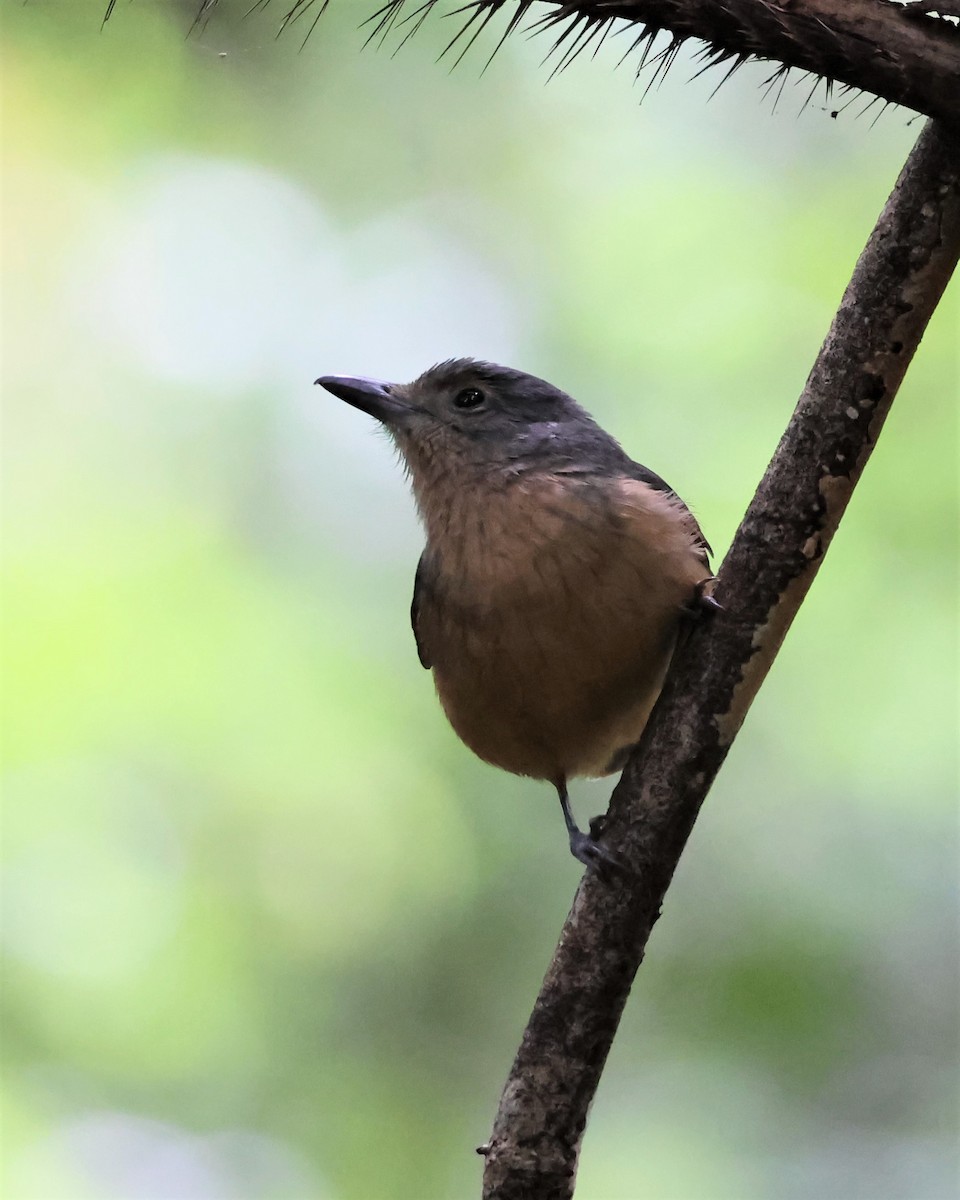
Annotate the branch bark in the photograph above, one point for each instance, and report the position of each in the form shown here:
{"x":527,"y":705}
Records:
{"x":898,"y":280}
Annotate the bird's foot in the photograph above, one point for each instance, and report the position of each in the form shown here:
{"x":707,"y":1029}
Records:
{"x":594,"y":855}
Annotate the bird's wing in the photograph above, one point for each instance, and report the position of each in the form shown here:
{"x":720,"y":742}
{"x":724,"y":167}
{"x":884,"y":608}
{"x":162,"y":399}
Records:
{"x":419,"y":589}
{"x":651,"y":479}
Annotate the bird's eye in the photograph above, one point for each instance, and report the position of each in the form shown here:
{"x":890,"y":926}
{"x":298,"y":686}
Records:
{"x":468,"y":398}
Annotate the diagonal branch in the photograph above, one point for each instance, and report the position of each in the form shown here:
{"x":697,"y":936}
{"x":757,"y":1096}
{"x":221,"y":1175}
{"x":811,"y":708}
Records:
{"x":901,"y":274}
{"x":898,"y":54}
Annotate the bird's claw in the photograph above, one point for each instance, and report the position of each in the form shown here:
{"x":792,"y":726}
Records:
{"x":703,"y":604}
{"x":708,"y":603}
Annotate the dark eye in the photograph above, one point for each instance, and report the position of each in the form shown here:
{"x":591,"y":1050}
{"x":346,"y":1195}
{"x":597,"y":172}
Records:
{"x":468,"y":398}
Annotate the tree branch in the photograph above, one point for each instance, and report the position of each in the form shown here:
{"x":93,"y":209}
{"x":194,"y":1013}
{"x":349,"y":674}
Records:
{"x":900,"y":55}
{"x":533,"y":1151}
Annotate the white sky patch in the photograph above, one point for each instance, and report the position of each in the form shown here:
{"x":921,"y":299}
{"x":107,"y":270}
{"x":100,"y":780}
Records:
{"x":222,"y":274}
{"x":118,"y":1156}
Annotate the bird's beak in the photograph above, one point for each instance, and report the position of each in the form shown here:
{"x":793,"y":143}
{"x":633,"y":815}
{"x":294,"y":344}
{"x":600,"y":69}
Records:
{"x":381,"y":400}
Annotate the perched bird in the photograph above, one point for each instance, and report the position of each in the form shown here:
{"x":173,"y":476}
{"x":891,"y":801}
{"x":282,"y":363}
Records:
{"x":556,"y":573}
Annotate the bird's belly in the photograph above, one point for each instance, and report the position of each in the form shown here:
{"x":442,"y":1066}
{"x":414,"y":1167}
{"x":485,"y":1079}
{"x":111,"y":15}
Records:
{"x":549,"y":641}
{"x":555,"y":689}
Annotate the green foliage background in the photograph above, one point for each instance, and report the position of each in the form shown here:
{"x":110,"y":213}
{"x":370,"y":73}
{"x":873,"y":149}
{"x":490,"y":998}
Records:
{"x":269,"y":930}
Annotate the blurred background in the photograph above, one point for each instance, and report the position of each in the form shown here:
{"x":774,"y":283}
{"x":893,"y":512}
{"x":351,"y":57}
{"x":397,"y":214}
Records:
{"x":269,"y":931}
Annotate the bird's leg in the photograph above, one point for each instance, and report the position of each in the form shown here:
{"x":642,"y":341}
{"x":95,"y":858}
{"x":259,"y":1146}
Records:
{"x":584,"y":846}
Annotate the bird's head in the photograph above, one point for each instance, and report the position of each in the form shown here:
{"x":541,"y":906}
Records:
{"x":463,"y":413}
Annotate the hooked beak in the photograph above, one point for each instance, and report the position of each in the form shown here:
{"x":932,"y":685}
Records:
{"x":369,"y":395}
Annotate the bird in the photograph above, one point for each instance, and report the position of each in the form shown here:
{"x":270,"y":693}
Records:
{"x":556,"y":576}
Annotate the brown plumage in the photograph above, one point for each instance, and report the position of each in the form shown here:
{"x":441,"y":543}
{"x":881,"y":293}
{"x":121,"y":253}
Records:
{"x":556,"y":572}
